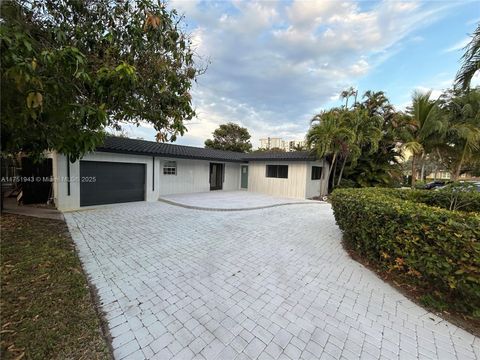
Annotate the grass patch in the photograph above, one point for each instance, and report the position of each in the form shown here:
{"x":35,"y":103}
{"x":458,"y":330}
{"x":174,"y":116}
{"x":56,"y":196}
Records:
{"x":46,"y":305}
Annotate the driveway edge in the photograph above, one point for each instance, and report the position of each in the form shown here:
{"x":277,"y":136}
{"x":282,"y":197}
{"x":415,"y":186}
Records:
{"x":237,"y":209}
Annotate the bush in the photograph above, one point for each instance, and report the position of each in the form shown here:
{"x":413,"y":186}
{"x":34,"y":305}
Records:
{"x":450,"y":198}
{"x":432,"y":247}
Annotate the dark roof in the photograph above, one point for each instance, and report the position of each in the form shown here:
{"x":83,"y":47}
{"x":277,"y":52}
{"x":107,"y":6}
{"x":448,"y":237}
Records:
{"x":279,"y":156}
{"x":151,"y":148}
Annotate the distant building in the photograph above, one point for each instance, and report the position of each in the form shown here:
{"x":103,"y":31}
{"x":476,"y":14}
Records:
{"x":279,"y":143}
{"x":271,"y":143}
{"x":295,"y":144}
{"x":446,"y":175}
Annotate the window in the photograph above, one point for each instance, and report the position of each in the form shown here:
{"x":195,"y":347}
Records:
{"x":316,"y":172}
{"x":277,"y":171}
{"x":170,"y":168}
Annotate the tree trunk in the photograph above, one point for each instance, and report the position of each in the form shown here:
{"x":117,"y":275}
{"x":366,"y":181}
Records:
{"x":414,"y":172}
{"x":456,"y":174}
{"x":333,"y":169}
{"x":422,"y":168}
{"x":459,"y":166}
{"x":341,"y":170}
{"x":435,"y":173}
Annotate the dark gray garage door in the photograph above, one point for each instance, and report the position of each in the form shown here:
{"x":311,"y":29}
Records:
{"x":111,"y":182}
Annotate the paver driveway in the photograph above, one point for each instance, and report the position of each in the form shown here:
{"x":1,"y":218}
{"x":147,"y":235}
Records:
{"x":268,"y":284}
{"x":224,"y":200}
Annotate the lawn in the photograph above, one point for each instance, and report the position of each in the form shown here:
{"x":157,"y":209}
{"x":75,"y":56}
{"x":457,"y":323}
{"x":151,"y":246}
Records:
{"x":47,"y":310}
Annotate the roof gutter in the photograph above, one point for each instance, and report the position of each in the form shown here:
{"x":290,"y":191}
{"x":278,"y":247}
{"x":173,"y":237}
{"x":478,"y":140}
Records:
{"x":143,"y":153}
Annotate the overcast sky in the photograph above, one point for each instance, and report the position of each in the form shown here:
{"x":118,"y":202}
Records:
{"x":272,"y":65}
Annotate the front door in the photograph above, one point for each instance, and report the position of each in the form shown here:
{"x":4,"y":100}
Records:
{"x":244,"y":179}
{"x":216,"y":176}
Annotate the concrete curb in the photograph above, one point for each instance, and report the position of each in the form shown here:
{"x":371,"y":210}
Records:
{"x":239,"y":209}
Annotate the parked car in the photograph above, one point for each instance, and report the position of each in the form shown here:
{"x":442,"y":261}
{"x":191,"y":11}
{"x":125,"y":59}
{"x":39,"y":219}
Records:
{"x":434,"y":184}
{"x":461,"y":186}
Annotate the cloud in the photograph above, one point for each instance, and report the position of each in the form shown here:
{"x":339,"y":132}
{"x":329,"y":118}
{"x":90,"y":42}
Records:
{"x":473,"y":21}
{"x":436,"y":85}
{"x":274,"y":63}
{"x":458,"y":45}
{"x":435,"y":93}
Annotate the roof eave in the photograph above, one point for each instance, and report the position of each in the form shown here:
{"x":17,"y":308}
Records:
{"x":144,"y":153}
{"x":273,"y":159}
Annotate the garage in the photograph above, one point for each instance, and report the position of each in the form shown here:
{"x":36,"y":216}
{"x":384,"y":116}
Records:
{"x":111,"y":182}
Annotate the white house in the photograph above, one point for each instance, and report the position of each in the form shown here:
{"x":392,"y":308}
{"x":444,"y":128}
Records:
{"x":124,"y":170}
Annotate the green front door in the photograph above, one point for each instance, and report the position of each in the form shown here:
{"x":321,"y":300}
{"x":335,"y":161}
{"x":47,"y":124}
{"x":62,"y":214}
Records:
{"x":244,"y":182}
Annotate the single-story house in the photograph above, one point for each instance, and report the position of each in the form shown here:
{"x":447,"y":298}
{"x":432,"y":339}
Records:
{"x":123,"y":170}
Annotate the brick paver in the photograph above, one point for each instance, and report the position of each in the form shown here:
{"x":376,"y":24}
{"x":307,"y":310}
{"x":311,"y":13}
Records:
{"x":225,"y":200}
{"x":177,"y":283}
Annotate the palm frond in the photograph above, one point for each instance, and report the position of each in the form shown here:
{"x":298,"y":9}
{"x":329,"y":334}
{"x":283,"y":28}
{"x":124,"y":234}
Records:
{"x":471,"y":61}
{"x":413,"y":146}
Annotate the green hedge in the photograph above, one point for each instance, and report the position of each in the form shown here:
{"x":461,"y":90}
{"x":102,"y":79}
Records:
{"x":465,"y":200}
{"x":435,"y":248}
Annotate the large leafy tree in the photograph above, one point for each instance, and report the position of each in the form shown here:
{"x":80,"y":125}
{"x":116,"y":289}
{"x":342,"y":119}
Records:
{"x":471,"y":61}
{"x":70,"y":69}
{"x":231,"y":137}
{"x":426,"y":126}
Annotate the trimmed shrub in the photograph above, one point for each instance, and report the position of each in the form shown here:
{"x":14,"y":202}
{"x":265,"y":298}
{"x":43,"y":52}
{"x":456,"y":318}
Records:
{"x":464,"y":200}
{"x":435,"y":248}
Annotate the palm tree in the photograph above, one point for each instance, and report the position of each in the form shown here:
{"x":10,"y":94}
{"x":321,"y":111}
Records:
{"x":462,"y":140}
{"x":366,"y":135}
{"x":346,"y":94}
{"x":328,"y":136}
{"x":376,"y":102}
{"x":471,"y":61}
{"x":425,"y":126}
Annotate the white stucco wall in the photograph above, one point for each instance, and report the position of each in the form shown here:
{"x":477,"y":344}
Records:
{"x":64,"y":201}
{"x":293,"y":187}
{"x":192,"y":176}
{"x":317,"y":187}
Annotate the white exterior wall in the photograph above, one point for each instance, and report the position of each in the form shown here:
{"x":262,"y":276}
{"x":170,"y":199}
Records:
{"x":194,"y":176}
{"x":317,"y":187}
{"x":293,"y":187}
{"x":72,"y":202}
{"x":54,"y":157}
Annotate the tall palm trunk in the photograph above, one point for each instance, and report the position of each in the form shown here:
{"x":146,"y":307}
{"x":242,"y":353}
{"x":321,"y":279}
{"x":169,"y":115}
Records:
{"x":333,"y":169}
{"x":459,"y":166}
{"x":341,"y":170}
{"x":414,"y":170}
{"x":436,"y":163}
{"x":422,"y":168}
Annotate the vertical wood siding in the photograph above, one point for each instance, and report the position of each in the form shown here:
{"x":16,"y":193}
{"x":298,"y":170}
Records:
{"x":293,"y":187}
{"x":317,"y":187}
{"x":193,"y":176}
